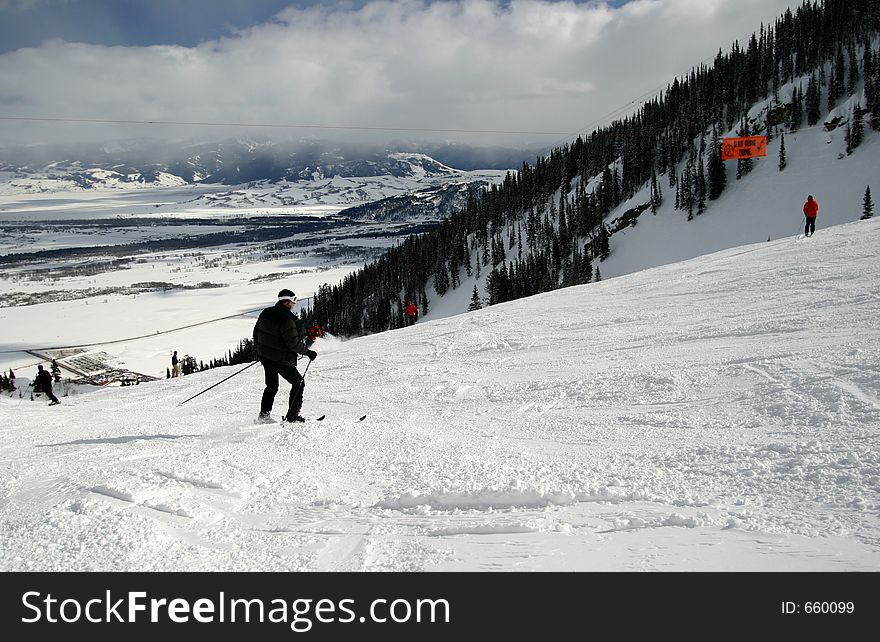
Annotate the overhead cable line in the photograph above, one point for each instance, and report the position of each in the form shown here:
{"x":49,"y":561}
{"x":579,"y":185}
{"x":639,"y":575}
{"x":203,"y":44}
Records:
{"x":639,"y":99}
{"x":143,"y":336}
{"x":110,"y":121}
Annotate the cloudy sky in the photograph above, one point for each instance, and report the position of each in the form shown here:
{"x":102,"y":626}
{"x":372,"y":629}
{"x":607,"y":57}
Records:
{"x":518,"y":72}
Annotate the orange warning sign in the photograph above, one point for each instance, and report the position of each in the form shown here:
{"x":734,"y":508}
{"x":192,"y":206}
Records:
{"x":744,"y":147}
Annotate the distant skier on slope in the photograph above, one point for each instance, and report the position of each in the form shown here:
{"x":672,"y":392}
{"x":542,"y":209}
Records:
{"x":411,"y":312}
{"x":315,"y":332}
{"x":45,"y":381}
{"x":278,"y":339}
{"x":811,"y":209}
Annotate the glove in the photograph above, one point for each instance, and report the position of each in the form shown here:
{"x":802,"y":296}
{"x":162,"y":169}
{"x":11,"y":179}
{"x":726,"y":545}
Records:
{"x":311,"y":354}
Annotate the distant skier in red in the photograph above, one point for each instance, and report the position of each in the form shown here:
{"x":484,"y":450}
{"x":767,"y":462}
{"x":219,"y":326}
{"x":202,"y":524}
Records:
{"x":315,"y":332}
{"x":811,"y":209}
{"x":411,"y":313}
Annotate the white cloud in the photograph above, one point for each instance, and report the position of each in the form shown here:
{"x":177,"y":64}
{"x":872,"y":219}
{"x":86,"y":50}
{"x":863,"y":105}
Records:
{"x":473,"y":64}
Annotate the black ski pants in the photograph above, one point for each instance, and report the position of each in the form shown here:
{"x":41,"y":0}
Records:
{"x":47,"y":388}
{"x":292,"y":376}
{"x":810,"y":227}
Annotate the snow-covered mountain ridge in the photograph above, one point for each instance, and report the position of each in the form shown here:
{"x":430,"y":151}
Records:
{"x":233,"y":162}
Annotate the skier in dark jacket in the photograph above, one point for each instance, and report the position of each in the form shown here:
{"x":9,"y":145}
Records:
{"x":45,"y":381}
{"x":278,"y":339}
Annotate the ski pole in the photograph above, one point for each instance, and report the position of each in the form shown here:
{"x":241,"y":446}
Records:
{"x":218,"y":383}
{"x":799,"y":228}
{"x":302,"y":381}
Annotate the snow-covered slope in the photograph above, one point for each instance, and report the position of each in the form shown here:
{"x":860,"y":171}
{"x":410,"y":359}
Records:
{"x":717,"y":414}
{"x":765,"y":204}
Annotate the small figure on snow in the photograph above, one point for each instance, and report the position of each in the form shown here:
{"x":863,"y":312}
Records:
{"x":175,"y":365}
{"x":315,"y":332}
{"x":811,"y":209}
{"x":278,"y":339}
{"x":45,"y":381}
{"x":411,"y":313}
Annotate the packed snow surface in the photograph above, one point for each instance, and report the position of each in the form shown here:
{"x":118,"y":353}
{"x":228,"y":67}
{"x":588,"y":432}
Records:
{"x":716,"y":414}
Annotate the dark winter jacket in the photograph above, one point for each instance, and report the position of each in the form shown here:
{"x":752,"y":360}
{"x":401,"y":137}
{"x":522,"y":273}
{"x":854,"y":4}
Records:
{"x":278,"y":335}
{"x":45,"y":379}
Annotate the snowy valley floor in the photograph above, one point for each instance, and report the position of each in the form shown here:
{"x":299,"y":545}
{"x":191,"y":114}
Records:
{"x":720,"y":414}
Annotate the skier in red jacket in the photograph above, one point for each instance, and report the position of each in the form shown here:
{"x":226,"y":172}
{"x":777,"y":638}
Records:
{"x":811,"y":209}
{"x":412,"y":313}
{"x":315,"y":332}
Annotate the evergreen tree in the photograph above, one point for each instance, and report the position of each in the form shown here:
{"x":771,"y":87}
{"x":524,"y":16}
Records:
{"x":701,"y":187}
{"x":832,"y":91}
{"x":743,"y":166}
{"x":782,"y":161}
{"x":858,"y":127}
{"x":655,"y":196}
{"x":188,"y":365}
{"x":658,"y":197}
{"x":853,"y":78}
{"x":498,"y":254}
{"x":563,"y":228}
{"x":475,"y":300}
{"x":598,"y":275}
{"x":812,"y":102}
{"x":838,"y":81}
{"x":717,"y":170}
{"x":870,"y":79}
{"x":519,"y":245}
{"x":441,"y":277}
{"x":586,"y":266}
{"x":689,"y":185}
{"x":873,"y":96}
{"x":604,"y":243}
{"x":796,"y":110}
{"x":867,"y":204}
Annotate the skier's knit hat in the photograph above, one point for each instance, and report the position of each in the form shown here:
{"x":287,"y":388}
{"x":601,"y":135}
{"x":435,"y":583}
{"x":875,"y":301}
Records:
{"x":287,"y":295}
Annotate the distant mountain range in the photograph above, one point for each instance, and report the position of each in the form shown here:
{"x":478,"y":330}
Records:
{"x":436,"y":202}
{"x":242,"y":161}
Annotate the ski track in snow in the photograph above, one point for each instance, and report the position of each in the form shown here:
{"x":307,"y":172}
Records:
{"x":718,"y":414}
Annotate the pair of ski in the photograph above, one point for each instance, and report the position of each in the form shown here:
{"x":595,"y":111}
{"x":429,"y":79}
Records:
{"x":284,"y":422}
